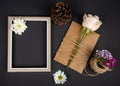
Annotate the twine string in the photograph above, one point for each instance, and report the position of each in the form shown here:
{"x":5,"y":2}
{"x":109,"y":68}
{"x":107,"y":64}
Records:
{"x":74,"y":43}
{"x":86,"y":50}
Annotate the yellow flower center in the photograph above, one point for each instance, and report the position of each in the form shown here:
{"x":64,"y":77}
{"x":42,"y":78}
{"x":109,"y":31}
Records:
{"x":19,"y":26}
{"x":60,"y":77}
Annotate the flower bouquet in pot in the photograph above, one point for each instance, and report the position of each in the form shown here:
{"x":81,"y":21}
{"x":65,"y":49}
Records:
{"x":102,"y":61}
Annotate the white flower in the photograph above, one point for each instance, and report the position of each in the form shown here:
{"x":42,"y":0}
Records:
{"x":18,"y":26}
{"x":59,"y":77}
{"x":91,"y":22}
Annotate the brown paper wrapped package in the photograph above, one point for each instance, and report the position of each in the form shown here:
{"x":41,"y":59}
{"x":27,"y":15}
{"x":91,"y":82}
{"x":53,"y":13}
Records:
{"x":68,"y":44}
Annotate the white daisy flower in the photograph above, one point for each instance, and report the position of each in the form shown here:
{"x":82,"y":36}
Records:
{"x":59,"y":77}
{"x":18,"y":26}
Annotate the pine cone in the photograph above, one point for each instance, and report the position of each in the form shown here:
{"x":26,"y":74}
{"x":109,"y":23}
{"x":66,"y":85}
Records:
{"x":61,"y":13}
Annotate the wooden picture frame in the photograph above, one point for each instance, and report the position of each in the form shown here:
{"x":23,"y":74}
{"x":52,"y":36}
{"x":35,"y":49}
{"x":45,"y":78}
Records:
{"x":47,"y":68}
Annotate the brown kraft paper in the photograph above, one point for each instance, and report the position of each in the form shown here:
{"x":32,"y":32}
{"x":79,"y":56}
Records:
{"x":68,"y":45}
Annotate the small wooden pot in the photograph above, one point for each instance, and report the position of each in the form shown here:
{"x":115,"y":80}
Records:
{"x":97,"y":68}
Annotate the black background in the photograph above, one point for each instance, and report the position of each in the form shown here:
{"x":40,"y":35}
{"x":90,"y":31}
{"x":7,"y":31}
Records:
{"x":29,"y":50}
{"x":107,"y":10}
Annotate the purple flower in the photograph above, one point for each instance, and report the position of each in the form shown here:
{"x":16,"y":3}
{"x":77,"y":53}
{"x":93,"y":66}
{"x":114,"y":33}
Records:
{"x":104,"y":53}
{"x":113,"y":60}
{"x":108,"y":59}
{"x":110,"y":63}
{"x":106,"y":63}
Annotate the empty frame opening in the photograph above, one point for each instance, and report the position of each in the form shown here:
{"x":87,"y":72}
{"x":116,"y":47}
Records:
{"x":30,"y":49}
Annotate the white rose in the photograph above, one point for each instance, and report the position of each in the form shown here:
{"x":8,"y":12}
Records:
{"x":91,"y":22}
